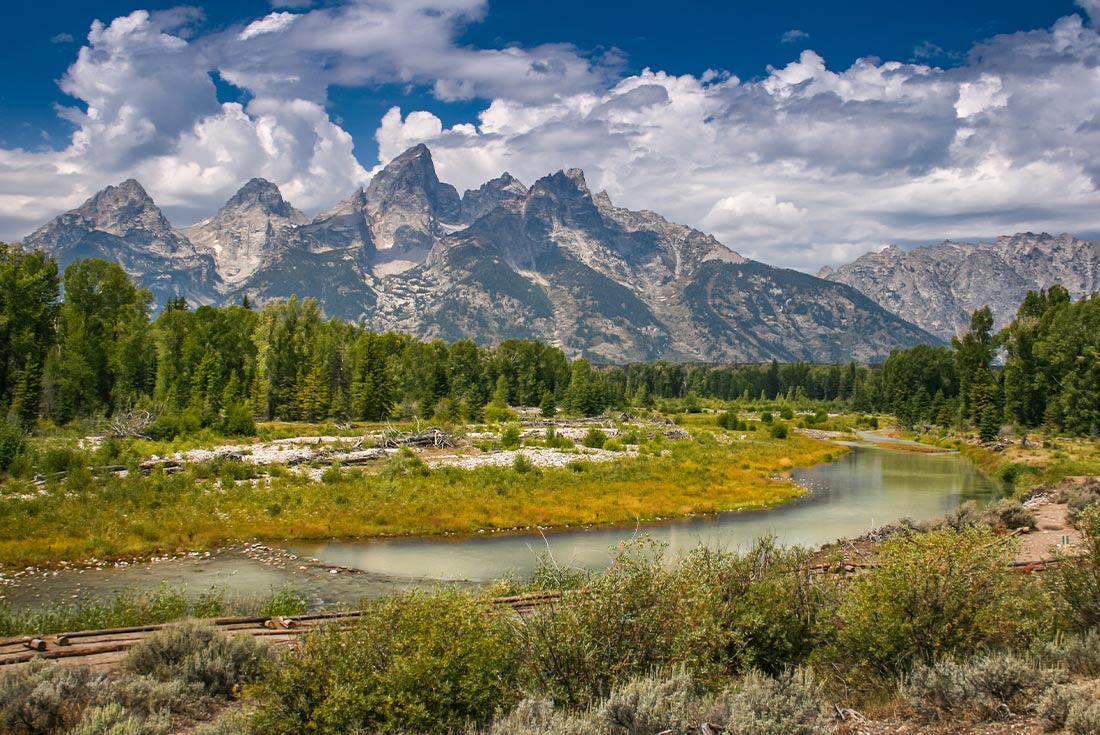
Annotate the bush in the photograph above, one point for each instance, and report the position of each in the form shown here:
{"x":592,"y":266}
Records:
{"x":404,"y":464}
{"x":786,"y":413}
{"x":1077,"y":654}
{"x":594,"y":438}
{"x":509,"y":438}
{"x":556,"y":441}
{"x":627,"y":624}
{"x":790,"y":704}
{"x":778,"y":431}
{"x":193,"y":652}
{"x":11,"y":443}
{"x":42,"y":698}
{"x":284,"y":602}
{"x":1084,"y":719}
{"x":1014,"y":515}
{"x":613,"y":445}
{"x":1077,"y":580}
{"x":499,"y":415}
{"x":144,"y":694}
{"x":114,"y":719}
{"x":940,"y":594}
{"x":431,"y":662}
{"x":238,"y":421}
{"x":1055,"y":705}
{"x":766,"y":417}
{"x":522,"y":464}
{"x":989,"y":687}
{"x":648,"y":705}
{"x":537,"y":716}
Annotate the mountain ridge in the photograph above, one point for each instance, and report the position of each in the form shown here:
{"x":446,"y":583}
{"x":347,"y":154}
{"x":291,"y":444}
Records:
{"x":938,"y":286}
{"x":551,"y":261}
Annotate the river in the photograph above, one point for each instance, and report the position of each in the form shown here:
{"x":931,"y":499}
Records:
{"x":868,"y":487}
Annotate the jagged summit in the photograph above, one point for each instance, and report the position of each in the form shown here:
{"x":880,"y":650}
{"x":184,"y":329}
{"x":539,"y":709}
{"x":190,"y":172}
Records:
{"x":264,"y":195}
{"x":552,"y":261}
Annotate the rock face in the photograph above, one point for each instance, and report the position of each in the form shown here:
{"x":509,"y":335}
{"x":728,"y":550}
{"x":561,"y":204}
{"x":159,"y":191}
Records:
{"x":553,"y":261}
{"x":937,"y":287}
{"x":122,"y":224}
{"x":248,"y":232}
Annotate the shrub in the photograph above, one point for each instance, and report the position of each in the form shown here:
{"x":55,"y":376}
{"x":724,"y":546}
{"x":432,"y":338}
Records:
{"x":1077,"y":580}
{"x":778,"y":431}
{"x":403,"y":464}
{"x":577,"y":651}
{"x":537,"y":716}
{"x":193,"y":652}
{"x":1077,"y":654}
{"x":499,"y":415}
{"x":144,"y":694}
{"x":430,"y":662}
{"x":522,"y":464}
{"x":285,"y":601}
{"x":790,"y":704}
{"x":594,"y":438}
{"x":989,"y":687}
{"x":42,"y":698}
{"x":766,"y":417}
{"x":648,"y":705}
{"x":556,"y":441}
{"x":613,"y":445}
{"x":1055,"y":705}
{"x":786,"y":413}
{"x":1084,"y":719}
{"x":114,"y":719}
{"x":332,"y":474}
{"x":238,"y":421}
{"x":934,"y":595}
{"x":509,"y":438}
{"x":1014,"y":515}
{"x":11,"y":443}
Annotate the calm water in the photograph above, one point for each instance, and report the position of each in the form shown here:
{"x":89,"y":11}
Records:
{"x":868,"y":487}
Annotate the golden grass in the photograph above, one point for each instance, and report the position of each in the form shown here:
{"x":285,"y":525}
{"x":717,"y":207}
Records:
{"x":135,"y":516}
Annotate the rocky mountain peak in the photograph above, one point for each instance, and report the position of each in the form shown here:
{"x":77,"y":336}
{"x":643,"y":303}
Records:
{"x":121,"y":209}
{"x":264,"y":196}
{"x":407,"y":204}
{"x":504,"y":190}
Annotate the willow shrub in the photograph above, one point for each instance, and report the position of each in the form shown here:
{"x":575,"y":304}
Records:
{"x":934,"y":595}
{"x":1077,"y":581}
{"x":426,"y":662}
{"x":711,"y":615}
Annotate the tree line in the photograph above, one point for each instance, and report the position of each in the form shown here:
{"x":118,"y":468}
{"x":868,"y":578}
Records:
{"x":98,"y":350}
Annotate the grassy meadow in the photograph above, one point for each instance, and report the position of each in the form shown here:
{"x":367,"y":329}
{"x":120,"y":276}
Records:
{"x":89,"y":513}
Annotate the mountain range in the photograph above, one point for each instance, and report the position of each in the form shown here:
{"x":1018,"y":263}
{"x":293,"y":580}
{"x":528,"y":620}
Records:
{"x":552,"y":261}
{"x":938,"y":287}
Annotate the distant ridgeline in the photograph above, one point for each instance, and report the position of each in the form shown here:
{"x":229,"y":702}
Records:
{"x":97,"y":352}
{"x":554,"y":262}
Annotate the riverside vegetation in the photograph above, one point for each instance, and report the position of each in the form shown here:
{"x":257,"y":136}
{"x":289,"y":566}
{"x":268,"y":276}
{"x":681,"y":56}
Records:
{"x":756,"y":643}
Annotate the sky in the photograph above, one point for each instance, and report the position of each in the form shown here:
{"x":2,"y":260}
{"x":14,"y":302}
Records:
{"x":800,"y":133}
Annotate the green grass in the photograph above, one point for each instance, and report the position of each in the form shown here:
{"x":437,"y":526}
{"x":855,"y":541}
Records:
{"x":214,"y":503}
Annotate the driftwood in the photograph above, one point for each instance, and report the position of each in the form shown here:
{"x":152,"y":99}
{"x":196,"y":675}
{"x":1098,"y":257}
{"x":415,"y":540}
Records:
{"x":131,"y":423}
{"x":433,"y":437}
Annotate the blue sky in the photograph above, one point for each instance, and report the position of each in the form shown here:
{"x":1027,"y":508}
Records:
{"x":801,"y":134}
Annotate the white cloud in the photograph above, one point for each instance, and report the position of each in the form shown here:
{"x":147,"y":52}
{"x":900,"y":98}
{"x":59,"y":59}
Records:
{"x":805,"y":166}
{"x":271,"y":23}
{"x":794,"y":36}
{"x":1092,"y":7}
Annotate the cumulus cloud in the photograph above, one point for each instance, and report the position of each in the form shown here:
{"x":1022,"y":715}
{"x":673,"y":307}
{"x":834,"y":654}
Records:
{"x":62,"y":38}
{"x":805,"y":166}
{"x":794,"y":36}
